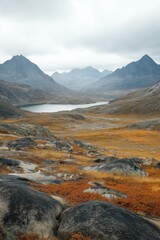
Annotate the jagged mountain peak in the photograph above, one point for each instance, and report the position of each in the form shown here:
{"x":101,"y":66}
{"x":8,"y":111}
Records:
{"x":147,"y":60}
{"x":21,"y":70}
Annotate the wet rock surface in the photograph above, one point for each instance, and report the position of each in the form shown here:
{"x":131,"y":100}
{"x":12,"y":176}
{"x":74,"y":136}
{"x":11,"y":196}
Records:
{"x":103,"y":221}
{"x":25,"y":210}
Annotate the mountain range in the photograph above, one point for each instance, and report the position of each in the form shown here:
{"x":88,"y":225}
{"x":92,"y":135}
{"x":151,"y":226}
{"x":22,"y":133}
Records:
{"x":20,"y":70}
{"x":78,"y":79}
{"x":140,"y":74}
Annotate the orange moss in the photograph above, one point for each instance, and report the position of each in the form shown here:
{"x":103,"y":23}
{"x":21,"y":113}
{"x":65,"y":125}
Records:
{"x":141,"y":197}
{"x":78,"y":236}
{"x":28,"y":237}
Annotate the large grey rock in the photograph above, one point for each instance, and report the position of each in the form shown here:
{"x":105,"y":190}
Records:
{"x":26,"y":211}
{"x":125,"y":166}
{"x":105,"y":221}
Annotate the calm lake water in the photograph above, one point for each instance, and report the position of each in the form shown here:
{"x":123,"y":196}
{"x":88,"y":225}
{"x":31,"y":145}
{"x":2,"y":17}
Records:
{"x":59,"y":107}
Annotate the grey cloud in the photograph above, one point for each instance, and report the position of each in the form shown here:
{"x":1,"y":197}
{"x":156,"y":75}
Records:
{"x":73,"y":33}
{"x":30,"y":10}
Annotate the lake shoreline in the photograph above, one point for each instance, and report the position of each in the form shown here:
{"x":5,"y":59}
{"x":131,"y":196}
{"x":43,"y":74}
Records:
{"x":57,"y":107}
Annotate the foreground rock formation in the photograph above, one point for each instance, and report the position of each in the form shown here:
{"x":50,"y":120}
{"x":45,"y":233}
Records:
{"x":105,"y":221}
{"x":25,"y":212}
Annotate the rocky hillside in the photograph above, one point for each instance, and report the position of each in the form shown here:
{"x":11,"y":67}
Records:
{"x":7,"y":110}
{"x":142,"y":73}
{"x":20,"y":70}
{"x":144,"y":101}
{"x":19,"y":94}
{"x":79,"y":78}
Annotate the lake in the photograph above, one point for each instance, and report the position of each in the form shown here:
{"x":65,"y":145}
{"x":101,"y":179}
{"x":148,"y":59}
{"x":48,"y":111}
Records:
{"x":59,"y":107}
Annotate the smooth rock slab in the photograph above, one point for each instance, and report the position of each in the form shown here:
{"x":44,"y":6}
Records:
{"x":38,"y":177}
{"x":24,"y":210}
{"x":105,"y":221}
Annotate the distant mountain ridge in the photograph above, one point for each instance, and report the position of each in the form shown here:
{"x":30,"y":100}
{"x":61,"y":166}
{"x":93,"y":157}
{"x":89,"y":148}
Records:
{"x":142,"y":73}
{"x":142,"y":101}
{"x":78,"y":78}
{"x":20,"y":70}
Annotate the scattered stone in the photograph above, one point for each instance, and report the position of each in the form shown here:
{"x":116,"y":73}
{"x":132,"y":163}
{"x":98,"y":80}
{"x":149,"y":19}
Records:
{"x":106,"y":192}
{"x":68,"y":177}
{"x":91,"y":150}
{"x":61,"y":145}
{"x":26,"y":211}
{"x":22,"y":143}
{"x":69,"y":161}
{"x":50,"y":162}
{"x":101,"y":221}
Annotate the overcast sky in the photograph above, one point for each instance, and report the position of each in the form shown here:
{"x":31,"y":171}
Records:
{"x":64,"y":34}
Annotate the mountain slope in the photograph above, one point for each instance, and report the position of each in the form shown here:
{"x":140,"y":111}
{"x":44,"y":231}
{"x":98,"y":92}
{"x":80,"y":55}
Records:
{"x":140,"y":74}
{"x":20,"y":70}
{"x":19,"y":94}
{"x":7,"y":110}
{"x":79,"y":78}
{"x":144,"y":101}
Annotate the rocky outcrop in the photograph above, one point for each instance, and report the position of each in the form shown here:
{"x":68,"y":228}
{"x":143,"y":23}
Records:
{"x":22,"y":143}
{"x":126,"y":166}
{"x":153,"y":124}
{"x":103,"y":221}
{"x":26,"y":211}
{"x":25,"y":129}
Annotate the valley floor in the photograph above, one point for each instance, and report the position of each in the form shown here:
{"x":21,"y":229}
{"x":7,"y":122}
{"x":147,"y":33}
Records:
{"x":107,"y":135}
